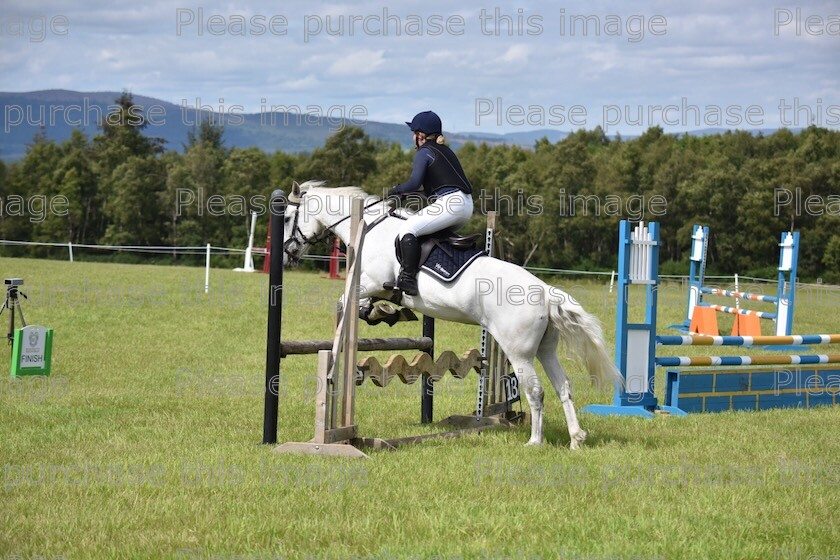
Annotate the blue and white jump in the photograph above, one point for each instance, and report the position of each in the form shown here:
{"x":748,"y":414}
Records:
{"x":785,"y":287}
{"x":636,"y":360}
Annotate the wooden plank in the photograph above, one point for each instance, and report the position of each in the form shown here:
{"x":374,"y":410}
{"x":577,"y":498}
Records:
{"x":491,"y":221}
{"x":300,"y":347}
{"x":472,"y":421}
{"x":425,"y":437}
{"x":498,"y":408}
{"x":333,"y":382}
{"x":344,"y":433}
{"x":322,"y":400}
{"x":322,"y":449}
{"x":373,"y":443}
{"x":351,"y":313}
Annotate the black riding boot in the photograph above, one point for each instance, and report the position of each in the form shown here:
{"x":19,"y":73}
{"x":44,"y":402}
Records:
{"x":410,"y":252}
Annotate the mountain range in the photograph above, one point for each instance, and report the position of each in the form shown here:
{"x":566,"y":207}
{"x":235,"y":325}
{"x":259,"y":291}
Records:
{"x":58,"y":112}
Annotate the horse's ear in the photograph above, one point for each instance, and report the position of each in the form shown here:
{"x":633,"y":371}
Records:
{"x":295,"y":194}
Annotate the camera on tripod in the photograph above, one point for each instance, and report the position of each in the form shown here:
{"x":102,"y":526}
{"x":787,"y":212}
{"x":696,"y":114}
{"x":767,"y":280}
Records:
{"x":12,"y":303}
{"x":31,"y":345}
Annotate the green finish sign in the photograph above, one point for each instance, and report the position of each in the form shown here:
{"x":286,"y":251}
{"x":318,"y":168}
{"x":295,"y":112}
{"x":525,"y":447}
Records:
{"x":32,"y":351}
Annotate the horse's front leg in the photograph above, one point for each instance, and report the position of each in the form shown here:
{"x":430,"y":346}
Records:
{"x":374,"y":310}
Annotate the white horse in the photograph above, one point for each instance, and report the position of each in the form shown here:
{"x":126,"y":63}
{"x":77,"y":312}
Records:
{"x":523,"y":314}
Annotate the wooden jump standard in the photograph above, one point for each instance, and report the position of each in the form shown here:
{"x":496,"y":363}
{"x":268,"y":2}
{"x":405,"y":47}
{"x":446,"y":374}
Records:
{"x":339,"y":372}
{"x":277,"y":348}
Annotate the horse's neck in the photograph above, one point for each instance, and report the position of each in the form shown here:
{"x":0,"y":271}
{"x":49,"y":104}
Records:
{"x":335,"y":214}
{"x":342,"y":229}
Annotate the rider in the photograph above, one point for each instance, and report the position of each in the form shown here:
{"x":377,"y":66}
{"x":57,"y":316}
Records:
{"x":443,"y":181}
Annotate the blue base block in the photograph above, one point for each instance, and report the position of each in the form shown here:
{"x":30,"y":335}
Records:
{"x":681,"y":327}
{"x":617,"y":410}
{"x":672,"y":410}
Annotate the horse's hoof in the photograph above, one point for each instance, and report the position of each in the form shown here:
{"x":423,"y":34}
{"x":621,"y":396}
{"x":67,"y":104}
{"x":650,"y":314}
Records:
{"x":577,"y":440}
{"x":534,"y":442}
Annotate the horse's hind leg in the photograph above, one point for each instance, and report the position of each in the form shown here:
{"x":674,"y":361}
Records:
{"x":547,"y":355}
{"x":530,"y":384}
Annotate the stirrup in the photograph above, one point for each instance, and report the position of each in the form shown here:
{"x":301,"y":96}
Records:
{"x":397,"y":289}
{"x":400,"y":287}
{"x":410,"y":289}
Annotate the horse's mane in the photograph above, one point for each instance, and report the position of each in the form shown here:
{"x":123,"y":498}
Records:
{"x":350,"y":192}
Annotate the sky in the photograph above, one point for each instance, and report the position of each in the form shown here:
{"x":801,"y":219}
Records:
{"x":493,"y":68}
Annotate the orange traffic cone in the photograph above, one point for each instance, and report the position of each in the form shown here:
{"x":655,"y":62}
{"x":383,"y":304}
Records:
{"x":704,"y":321}
{"x":746,"y":325}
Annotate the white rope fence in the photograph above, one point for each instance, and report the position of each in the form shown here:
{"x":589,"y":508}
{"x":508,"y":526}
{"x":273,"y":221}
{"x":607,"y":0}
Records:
{"x":209,"y":250}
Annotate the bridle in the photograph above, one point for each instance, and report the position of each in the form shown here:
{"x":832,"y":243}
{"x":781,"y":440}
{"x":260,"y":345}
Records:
{"x":296,"y":231}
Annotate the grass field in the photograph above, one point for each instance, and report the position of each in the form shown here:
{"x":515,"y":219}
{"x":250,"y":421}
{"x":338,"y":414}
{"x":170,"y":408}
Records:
{"x":145,"y":444}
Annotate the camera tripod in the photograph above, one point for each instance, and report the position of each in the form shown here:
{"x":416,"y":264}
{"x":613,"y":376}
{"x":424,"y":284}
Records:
{"x":12,"y":302}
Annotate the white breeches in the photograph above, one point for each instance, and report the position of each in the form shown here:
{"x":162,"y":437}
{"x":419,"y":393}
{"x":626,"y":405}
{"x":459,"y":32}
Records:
{"x":451,"y":210}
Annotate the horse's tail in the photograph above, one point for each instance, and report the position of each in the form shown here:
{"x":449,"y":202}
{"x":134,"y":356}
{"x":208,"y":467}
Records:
{"x":583,"y":336}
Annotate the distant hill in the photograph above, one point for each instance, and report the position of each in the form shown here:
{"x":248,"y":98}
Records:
{"x":62,"y":111}
{"x":756,"y":131}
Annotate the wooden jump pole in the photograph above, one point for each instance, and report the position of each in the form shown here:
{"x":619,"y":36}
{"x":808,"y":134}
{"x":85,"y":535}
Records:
{"x":300,"y":347}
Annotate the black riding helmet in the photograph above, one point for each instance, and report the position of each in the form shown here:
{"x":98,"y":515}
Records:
{"x":426,"y":122}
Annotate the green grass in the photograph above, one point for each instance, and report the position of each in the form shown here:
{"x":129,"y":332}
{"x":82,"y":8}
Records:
{"x":145,"y":444}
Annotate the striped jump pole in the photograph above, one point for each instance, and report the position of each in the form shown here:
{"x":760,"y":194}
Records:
{"x":805,"y":359}
{"x":738,"y":311}
{"x":741,"y":295}
{"x":700,"y":340}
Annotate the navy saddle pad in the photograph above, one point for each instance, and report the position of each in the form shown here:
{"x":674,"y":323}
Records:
{"x":447,"y":262}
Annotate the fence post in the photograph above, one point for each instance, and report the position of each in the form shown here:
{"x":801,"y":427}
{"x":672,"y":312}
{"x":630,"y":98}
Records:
{"x":207,"y":271}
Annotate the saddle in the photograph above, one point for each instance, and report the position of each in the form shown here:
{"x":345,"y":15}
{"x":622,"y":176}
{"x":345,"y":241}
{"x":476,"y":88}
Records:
{"x":447,"y":240}
{"x":445,"y":254}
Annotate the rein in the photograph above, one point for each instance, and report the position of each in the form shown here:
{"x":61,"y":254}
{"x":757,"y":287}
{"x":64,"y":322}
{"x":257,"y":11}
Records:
{"x":324,"y":234}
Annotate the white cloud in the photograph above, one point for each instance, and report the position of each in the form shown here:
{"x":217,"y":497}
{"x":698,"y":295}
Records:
{"x":714,"y":51}
{"x":305,"y":83}
{"x":358,"y":63}
{"x":516,"y":54}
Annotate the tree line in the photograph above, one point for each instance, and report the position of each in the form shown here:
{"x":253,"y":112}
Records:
{"x":559,"y":203}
